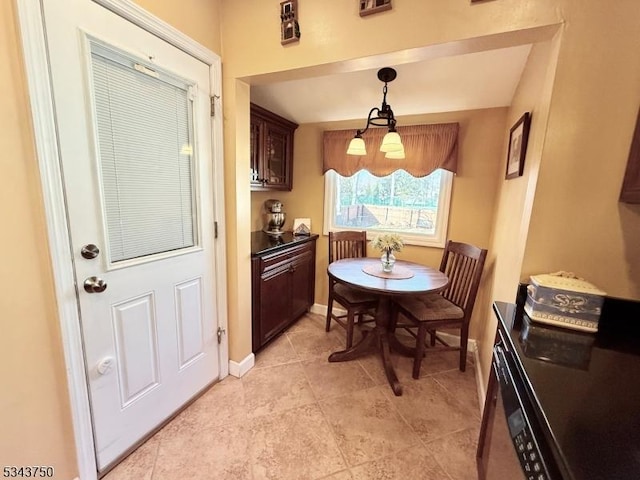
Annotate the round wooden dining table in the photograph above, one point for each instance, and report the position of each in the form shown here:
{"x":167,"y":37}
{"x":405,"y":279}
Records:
{"x":366,"y":274}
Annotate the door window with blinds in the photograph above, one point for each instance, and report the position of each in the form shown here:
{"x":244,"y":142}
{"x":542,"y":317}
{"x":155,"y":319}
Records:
{"x":145,"y":140}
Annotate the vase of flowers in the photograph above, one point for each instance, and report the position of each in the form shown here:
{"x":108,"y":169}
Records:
{"x":388,"y":243}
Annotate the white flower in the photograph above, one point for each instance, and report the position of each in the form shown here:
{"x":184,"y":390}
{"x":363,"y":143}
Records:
{"x":388,"y":242}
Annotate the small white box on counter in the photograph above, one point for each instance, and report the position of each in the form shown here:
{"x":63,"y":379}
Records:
{"x":564,"y":300}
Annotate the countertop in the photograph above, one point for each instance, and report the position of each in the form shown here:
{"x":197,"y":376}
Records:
{"x":262,"y":243}
{"x":585,"y":388}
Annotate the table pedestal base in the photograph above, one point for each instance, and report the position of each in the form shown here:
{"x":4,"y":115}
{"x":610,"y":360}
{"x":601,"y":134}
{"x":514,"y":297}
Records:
{"x":382,"y":339}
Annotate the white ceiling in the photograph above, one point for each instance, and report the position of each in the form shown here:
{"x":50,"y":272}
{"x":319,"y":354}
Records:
{"x":464,"y":82}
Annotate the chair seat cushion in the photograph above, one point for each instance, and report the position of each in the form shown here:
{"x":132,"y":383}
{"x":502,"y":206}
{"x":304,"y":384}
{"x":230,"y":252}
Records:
{"x":431,"y":307}
{"x":352,"y":295}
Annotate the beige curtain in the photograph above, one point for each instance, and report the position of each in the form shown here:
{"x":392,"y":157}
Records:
{"x":427,"y":148}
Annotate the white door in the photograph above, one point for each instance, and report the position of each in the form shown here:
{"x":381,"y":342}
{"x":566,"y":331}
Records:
{"x":134,"y":132}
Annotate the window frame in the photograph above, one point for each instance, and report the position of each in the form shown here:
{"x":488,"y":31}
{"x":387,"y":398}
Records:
{"x":439,"y":237}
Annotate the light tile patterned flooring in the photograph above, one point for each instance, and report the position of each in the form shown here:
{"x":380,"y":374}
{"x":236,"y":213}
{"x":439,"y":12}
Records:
{"x":296,"y":416}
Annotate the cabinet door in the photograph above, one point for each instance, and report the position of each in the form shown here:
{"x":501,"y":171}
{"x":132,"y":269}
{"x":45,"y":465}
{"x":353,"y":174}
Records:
{"x":302,"y":294}
{"x":275,"y":302}
{"x":277,"y":159}
{"x":256,"y":150}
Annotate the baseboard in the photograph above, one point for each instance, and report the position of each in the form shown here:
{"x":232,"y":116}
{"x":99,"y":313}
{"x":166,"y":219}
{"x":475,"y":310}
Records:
{"x":238,"y":369}
{"x":454,"y":341}
{"x":318,"y":308}
{"x":322,"y":310}
{"x":482,"y":393}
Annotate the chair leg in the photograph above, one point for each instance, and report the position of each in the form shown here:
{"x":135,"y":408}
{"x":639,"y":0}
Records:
{"x":329,"y":310}
{"x":349,"y":328}
{"x":464,"y":340}
{"x":432,"y":334}
{"x":421,"y":338}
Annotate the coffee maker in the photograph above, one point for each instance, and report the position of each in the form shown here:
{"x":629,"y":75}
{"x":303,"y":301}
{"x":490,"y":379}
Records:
{"x":274,"y":217}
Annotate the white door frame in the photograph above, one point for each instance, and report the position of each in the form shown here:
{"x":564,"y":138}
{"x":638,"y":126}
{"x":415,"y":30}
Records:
{"x":45,"y":132}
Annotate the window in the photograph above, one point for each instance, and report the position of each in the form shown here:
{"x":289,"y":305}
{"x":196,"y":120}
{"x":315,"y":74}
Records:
{"x":415,"y":207}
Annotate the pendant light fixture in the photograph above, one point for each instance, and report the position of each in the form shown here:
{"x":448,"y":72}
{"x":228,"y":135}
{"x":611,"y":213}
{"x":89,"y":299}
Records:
{"x":381,"y":117}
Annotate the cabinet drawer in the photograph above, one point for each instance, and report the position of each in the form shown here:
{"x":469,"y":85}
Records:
{"x":277,"y":260}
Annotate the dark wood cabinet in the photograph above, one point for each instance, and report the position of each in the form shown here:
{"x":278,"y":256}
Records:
{"x":631,"y":184}
{"x":283,"y":284}
{"x":271,"y":150}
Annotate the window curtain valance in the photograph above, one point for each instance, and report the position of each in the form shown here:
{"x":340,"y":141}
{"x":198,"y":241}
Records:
{"x":427,"y":148}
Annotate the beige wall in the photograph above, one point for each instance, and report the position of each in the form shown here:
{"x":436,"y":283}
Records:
{"x":515,"y":196}
{"x":421,"y":29}
{"x":577,"y":223}
{"x":34,"y":404}
{"x":593,"y":103}
{"x":592,"y":111}
{"x":474,"y":187}
{"x":199,"y":19}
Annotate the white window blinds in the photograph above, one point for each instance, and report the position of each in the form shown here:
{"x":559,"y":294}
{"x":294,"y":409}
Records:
{"x":145,"y":140}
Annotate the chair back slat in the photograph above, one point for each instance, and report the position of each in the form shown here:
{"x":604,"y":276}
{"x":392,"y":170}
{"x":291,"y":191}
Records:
{"x":350,"y":244}
{"x":463,"y":264}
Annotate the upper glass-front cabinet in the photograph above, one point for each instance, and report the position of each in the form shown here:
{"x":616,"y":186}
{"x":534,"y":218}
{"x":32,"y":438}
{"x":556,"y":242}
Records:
{"x":271,"y":150}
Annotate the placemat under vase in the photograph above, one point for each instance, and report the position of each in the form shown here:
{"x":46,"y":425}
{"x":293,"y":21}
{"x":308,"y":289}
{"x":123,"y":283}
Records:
{"x":398,"y":273}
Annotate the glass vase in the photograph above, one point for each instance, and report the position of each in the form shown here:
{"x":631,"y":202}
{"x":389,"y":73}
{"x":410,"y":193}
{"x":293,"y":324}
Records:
{"x":388,"y":259}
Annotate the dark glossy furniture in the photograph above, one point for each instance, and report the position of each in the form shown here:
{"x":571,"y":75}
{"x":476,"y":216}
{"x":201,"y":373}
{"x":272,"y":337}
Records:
{"x":350,"y":273}
{"x":282,"y":281}
{"x":630,"y":192}
{"x":450,"y":308}
{"x":579,"y":392}
{"x":348,"y":244}
{"x":271,"y":150}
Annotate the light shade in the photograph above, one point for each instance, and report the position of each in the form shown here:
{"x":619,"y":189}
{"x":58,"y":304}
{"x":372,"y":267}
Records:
{"x":391,"y":143}
{"x":397,"y":155}
{"x":356,"y":147}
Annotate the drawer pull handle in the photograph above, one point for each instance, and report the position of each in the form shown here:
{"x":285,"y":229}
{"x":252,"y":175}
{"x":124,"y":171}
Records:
{"x":292,"y":268}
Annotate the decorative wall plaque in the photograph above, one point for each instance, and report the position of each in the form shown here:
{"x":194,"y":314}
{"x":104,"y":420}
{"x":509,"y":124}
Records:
{"x":367,"y":7}
{"x":289,"y":27}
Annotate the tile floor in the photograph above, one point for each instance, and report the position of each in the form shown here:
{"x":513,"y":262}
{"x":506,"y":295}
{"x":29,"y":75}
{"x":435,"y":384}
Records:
{"x":296,"y":416}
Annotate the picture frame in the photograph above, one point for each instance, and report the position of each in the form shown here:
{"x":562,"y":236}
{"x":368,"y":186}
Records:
{"x":630,"y":191}
{"x":367,"y":7}
{"x":518,"y":139}
{"x":289,"y":26}
{"x":302,"y":226}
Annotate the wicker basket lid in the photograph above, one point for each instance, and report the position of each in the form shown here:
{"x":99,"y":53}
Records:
{"x":566,"y":281}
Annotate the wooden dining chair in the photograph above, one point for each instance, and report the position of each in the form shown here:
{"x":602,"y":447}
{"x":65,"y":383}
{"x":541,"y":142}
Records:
{"x":462,"y":264}
{"x":349,"y":244}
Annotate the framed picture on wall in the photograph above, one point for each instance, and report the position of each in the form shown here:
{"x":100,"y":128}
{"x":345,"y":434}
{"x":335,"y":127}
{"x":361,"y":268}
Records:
{"x":367,"y":7}
{"x":289,"y":27}
{"x":518,"y":139}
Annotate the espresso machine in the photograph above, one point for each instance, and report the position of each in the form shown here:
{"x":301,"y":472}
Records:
{"x":274,"y":217}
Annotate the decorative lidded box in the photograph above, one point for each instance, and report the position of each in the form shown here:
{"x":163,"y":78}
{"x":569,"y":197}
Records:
{"x":564,"y":300}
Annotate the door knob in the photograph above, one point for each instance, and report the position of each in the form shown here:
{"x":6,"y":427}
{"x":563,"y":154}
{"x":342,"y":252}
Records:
{"x":94,"y":285}
{"x":90,"y":251}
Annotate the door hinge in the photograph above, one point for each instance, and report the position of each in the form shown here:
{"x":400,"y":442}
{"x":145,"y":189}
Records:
{"x":213,"y":104}
{"x":221,"y":331}
{"x":215,"y":229}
